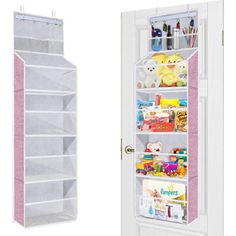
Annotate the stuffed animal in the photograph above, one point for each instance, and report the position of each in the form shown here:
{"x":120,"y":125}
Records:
{"x":181,"y":71}
{"x":160,"y":59}
{"x":154,"y":147}
{"x":150,"y":77}
{"x":168,"y":75}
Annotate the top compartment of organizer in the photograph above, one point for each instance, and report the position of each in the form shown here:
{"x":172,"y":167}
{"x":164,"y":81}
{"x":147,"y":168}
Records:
{"x":165,"y":70}
{"x":173,"y":32}
{"x":38,"y":34}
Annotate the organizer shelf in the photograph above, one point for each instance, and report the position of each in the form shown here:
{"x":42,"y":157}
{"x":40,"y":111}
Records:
{"x":45,"y":123}
{"x":163,"y":191}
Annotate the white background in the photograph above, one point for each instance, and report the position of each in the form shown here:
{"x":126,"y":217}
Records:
{"x":92,"y":42}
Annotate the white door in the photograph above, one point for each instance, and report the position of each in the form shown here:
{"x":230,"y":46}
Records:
{"x":198,"y":210}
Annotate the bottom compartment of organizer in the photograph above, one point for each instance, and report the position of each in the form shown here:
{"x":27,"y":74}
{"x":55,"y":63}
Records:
{"x":51,"y":212}
{"x":162,"y":200}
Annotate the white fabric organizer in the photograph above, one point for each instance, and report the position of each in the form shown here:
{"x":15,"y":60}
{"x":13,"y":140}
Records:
{"x":45,"y":123}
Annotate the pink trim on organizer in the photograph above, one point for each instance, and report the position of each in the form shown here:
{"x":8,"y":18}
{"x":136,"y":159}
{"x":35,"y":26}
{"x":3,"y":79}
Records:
{"x":19,"y":139}
{"x":192,"y":156}
{"x":193,"y":138}
{"x":193,"y":199}
{"x":193,"y":112}
{"x":193,"y":71}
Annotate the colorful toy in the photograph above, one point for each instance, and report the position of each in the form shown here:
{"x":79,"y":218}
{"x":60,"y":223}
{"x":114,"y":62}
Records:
{"x":169,"y":76}
{"x":179,"y":151}
{"x":150,"y":77}
{"x":148,"y":157}
{"x":170,"y":168}
{"x":182,"y":170}
{"x":145,"y":167}
{"x":153,"y":163}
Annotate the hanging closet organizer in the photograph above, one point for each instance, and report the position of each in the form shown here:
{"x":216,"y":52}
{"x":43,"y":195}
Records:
{"x":45,"y":123}
{"x":166,"y":173}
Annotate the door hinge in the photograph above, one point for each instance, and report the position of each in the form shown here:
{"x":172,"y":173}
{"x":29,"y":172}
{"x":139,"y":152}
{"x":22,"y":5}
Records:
{"x":223,"y":38}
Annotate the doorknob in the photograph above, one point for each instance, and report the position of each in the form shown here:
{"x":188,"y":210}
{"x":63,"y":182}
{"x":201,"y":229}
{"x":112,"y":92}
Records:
{"x":129,"y":149}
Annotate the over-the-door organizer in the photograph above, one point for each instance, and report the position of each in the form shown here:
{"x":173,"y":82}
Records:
{"x":167,"y":121}
{"x":45,"y":123}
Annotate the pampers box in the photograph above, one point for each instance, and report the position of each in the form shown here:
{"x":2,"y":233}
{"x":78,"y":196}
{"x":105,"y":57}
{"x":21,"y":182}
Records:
{"x":163,"y":200}
{"x":164,"y":190}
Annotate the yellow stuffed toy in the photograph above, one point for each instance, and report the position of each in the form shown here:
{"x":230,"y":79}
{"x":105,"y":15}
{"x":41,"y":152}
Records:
{"x":168,"y":74}
{"x":160,"y":59}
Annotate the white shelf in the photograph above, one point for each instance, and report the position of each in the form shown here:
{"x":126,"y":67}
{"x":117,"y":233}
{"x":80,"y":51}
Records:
{"x":48,"y":178}
{"x":49,"y":92}
{"x":172,"y":37}
{"x":160,"y":133}
{"x":49,"y":156}
{"x":49,"y":135}
{"x":166,"y":222}
{"x":194,"y":226}
{"x":174,"y":50}
{"x":164,"y":109}
{"x":161,"y":154}
{"x":51,"y":112}
{"x":48,"y":219}
{"x":168,"y":179}
{"x":50,"y":201}
{"x":51,"y":67}
{"x":162,"y":89}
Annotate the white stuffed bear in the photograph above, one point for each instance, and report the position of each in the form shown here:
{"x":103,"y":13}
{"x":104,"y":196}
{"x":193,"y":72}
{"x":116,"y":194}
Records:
{"x":150,"y":73}
{"x":154,"y":147}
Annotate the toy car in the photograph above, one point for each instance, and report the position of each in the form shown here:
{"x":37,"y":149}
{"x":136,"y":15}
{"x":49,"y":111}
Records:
{"x":170,"y":167}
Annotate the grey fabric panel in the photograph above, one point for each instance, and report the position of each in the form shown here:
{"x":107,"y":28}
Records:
{"x":45,"y":60}
{"x":37,"y":29}
{"x":35,"y":45}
